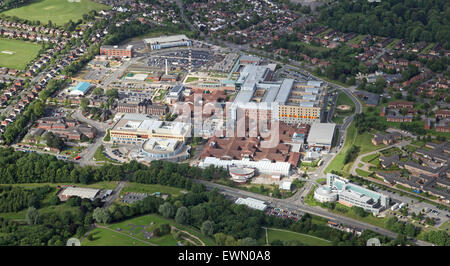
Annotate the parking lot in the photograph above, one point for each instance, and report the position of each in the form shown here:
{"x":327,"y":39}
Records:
{"x":414,"y":205}
{"x":184,"y":57}
{"x":131,"y":197}
{"x":283,"y":214}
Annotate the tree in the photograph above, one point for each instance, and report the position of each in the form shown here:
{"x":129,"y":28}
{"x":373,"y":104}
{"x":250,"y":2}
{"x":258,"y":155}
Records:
{"x":33,"y":216}
{"x":98,"y":91}
{"x":112,"y":93}
{"x":164,"y":229}
{"x":54,"y":200}
{"x":101,"y":215}
{"x":248,"y":241}
{"x":410,"y":230}
{"x":220,"y":239}
{"x":207,"y":228}
{"x":84,"y":104}
{"x":167,"y":210}
{"x":54,"y":141}
{"x":182,"y":215}
{"x":360,"y":211}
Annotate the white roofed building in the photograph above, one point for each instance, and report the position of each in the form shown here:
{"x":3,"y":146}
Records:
{"x":84,"y":193}
{"x":262,"y":166}
{"x":321,"y":135}
{"x":252,"y":203}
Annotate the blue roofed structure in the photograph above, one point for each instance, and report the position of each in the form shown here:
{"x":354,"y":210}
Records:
{"x":81,"y":89}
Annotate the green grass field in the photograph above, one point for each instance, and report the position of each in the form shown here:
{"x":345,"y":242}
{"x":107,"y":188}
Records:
{"x":280,"y":234}
{"x":370,"y":157}
{"x":362,"y":172}
{"x":17,"y":54}
{"x":126,"y":237}
{"x":58,"y":11}
{"x":105,"y":237}
{"x":191,"y":79}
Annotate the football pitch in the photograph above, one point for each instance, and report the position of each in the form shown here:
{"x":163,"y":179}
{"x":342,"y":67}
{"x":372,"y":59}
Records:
{"x":17,"y":54}
{"x":58,"y":11}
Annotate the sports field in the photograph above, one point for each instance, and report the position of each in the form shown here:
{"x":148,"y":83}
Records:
{"x":58,"y":11}
{"x":17,"y":54}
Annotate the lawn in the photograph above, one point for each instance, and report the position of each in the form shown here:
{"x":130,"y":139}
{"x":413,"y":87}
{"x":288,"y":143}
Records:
{"x":191,"y":79}
{"x":362,"y":172}
{"x":16,"y":54}
{"x":343,"y":99}
{"x":280,"y":234}
{"x":338,"y":119}
{"x":339,"y":115}
{"x":357,"y":39}
{"x":124,"y":237}
{"x":58,"y":11}
{"x":151,"y":188}
{"x":369,"y":158}
{"x":105,"y":237}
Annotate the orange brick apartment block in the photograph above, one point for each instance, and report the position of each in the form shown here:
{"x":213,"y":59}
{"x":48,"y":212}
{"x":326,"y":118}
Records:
{"x":115,"y":51}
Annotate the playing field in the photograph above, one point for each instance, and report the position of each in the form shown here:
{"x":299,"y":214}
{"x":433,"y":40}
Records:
{"x":17,"y":54}
{"x":58,"y":11}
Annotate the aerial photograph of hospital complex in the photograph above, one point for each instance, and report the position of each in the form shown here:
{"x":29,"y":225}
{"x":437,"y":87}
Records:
{"x":219,"y":123}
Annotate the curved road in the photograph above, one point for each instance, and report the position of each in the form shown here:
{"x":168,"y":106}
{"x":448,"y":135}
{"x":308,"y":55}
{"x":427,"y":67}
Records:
{"x":285,"y":204}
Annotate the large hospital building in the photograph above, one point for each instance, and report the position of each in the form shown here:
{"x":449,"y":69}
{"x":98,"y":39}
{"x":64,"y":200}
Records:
{"x":138,"y":128}
{"x":286,"y":100}
{"x":341,"y":190}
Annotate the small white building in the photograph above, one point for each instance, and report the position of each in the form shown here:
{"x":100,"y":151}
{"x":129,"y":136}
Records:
{"x":252,"y":203}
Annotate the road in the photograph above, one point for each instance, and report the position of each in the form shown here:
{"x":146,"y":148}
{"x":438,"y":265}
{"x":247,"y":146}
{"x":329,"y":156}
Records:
{"x":359,"y":158}
{"x":88,"y":154}
{"x":110,"y":200}
{"x":286,"y":204}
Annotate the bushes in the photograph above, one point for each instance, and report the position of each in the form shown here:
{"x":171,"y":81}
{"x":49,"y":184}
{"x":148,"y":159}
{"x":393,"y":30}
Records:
{"x":13,"y":199}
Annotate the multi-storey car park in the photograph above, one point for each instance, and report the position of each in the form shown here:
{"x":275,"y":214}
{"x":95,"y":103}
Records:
{"x":286,"y":100}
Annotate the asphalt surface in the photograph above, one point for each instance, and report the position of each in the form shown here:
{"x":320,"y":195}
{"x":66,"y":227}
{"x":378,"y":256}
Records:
{"x":88,"y":154}
{"x":285,"y":204}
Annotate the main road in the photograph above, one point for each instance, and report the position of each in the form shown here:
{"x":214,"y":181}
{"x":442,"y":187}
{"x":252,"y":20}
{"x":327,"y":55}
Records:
{"x":88,"y":154}
{"x":286,"y":204}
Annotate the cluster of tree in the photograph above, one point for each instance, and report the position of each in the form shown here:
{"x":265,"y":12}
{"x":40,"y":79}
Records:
{"x":121,"y":212}
{"x":410,"y":72}
{"x":20,"y":167}
{"x":416,"y":128}
{"x":54,"y":141}
{"x":10,"y":4}
{"x":13,"y":199}
{"x":406,"y":229}
{"x":377,"y":88}
{"x":49,"y":228}
{"x":125,"y":31}
{"x":19,"y":127}
{"x":413,"y":20}
{"x":337,"y":237}
{"x":227,"y":240}
{"x":351,"y":154}
{"x":77,"y":65}
{"x":364,"y":122}
{"x":440,"y":238}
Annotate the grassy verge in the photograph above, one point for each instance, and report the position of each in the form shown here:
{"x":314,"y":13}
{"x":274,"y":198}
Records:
{"x":281,"y":234}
